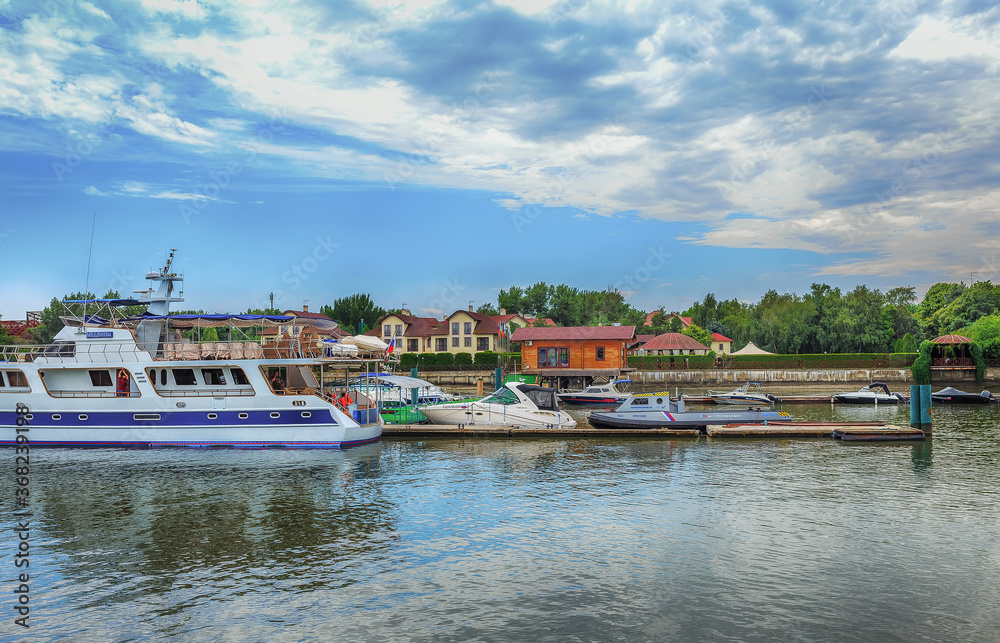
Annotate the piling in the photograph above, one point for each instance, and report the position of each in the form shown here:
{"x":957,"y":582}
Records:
{"x":498,"y":379}
{"x":920,"y":407}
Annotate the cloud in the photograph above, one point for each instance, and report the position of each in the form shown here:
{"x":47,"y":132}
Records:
{"x":143,"y":190}
{"x":90,"y":190}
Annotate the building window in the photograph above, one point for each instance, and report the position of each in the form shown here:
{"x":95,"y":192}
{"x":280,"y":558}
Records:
{"x":413,"y":345}
{"x":454,"y":328}
{"x":399,"y":329}
{"x":467,"y":342}
{"x":387,"y":330}
{"x":442,"y":343}
{"x":483,"y":344}
{"x":553,"y":357}
{"x":720,"y":348}
{"x":454,"y":342}
{"x":600,"y":353}
{"x":467,"y":328}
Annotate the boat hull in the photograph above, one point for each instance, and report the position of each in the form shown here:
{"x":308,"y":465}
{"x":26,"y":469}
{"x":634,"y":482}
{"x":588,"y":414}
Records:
{"x":258,"y":429}
{"x":476,"y":414}
{"x":744,"y":400}
{"x":871,"y":401}
{"x":680,"y":420}
{"x":587,"y":400}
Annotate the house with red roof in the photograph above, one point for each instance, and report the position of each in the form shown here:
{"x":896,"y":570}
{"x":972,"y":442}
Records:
{"x":685,"y":321}
{"x":574,"y":347}
{"x":721,"y":344}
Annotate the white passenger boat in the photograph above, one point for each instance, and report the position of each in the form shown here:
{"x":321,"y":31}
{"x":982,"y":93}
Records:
{"x":141,"y":385}
{"x":518,"y":404}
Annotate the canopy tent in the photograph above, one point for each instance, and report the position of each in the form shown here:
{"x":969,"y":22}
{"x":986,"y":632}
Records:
{"x":110,"y":302}
{"x":751,"y":349}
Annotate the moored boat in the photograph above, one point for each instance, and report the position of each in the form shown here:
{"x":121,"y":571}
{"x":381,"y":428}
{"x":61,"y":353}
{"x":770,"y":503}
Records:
{"x":607,"y":394}
{"x":874,"y":393}
{"x":112,"y":382}
{"x":749,"y":393}
{"x":949,"y":395}
{"x":514,"y":404}
{"x":657,"y":410}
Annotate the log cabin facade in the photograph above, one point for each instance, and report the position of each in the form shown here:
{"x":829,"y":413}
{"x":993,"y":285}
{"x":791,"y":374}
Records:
{"x":576,"y":348}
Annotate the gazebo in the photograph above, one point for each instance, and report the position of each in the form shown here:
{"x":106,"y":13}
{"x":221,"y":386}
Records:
{"x":751,"y":349}
{"x":957,"y":358}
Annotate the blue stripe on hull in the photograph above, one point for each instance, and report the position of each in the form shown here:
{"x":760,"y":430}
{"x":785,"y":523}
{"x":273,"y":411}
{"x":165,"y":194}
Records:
{"x":194,"y":444}
{"x":125,"y":419}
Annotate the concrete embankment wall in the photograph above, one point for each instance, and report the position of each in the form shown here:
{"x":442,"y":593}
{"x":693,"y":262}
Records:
{"x":736,"y":377}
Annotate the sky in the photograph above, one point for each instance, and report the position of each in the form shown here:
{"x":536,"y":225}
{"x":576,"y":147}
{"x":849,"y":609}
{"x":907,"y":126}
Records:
{"x":431,"y":153}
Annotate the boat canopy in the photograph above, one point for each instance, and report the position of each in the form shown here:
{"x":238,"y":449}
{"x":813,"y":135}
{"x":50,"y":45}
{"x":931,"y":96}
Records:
{"x":544,"y":398}
{"x":215,"y":321}
{"x":877,"y":385}
{"x":110,"y":302}
{"x":401,"y":381}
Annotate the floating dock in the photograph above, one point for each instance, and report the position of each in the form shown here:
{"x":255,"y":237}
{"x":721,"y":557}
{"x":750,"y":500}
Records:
{"x":853,"y":431}
{"x":493,"y":430}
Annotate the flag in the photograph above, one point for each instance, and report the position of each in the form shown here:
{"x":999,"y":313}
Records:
{"x":392,"y":344}
{"x":501,"y":331}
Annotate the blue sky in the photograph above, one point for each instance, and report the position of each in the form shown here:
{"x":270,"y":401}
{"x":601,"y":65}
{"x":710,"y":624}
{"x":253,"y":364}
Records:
{"x":434,"y":152}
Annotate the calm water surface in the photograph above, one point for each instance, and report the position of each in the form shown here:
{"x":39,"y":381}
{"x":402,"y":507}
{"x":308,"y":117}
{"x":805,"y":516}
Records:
{"x":526,"y":540}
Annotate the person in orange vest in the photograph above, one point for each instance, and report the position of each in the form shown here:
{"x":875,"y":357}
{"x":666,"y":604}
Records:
{"x":345,"y":400}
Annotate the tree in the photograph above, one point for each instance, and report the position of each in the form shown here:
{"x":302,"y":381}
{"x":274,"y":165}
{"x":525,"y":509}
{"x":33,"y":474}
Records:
{"x":350,"y":311}
{"x":4,"y":335}
{"x":536,"y":300}
{"x":699,"y":334}
{"x":512,"y":300}
{"x":487,"y":309}
{"x":905,"y":344}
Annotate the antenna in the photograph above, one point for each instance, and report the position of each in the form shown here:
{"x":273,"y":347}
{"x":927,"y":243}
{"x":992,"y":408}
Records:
{"x":86,"y":288}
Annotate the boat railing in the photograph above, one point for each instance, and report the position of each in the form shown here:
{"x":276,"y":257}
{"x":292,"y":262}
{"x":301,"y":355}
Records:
{"x":69,"y":393}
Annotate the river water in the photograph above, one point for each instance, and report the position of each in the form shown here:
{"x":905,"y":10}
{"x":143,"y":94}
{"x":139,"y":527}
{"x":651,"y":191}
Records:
{"x":521,"y":540}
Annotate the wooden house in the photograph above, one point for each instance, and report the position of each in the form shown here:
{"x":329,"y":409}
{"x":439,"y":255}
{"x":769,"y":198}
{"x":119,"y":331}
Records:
{"x":574,"y":348}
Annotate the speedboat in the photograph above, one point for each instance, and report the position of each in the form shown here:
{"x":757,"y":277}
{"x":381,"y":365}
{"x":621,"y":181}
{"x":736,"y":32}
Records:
{"x":518,"y":404}
{"x":874,"y":393}
{"x":949,"y":395}
{"x":657,"y":410}
{"x":136,"y":382}
{"x":749,"y":393}
{"x":608,"y":394}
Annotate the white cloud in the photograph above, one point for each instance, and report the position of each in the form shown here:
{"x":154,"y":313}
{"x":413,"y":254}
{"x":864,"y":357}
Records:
{"x":94,"y":11}
{"x":90,"y":190}
{"x":189,"y":9}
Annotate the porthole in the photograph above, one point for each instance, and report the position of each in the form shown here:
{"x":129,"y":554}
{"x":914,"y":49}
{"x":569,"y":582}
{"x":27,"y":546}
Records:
{"x":82,"y":416}
{"x":276,"y":415}
{"x":29,"y":417}
{"x":244,"y":416}
{"x":213,"y":416}
{"x":146,"y":417}
{"x":56,"y":417}
{"x":659,"y":400}
{"x":306,"y":414}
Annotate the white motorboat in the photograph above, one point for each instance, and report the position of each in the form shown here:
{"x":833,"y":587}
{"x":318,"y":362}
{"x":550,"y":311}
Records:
{"x":874,"y":393}
{"x":515,"y":404}
{"x":607,"y":394}
{"x":140,"y":384}
{"x":749,"y":393}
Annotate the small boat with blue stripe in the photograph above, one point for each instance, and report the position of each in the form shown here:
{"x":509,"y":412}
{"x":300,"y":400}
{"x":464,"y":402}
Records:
{"x":657,"y":410}
{"x":136,"y":382}
{"x":606,"y":394}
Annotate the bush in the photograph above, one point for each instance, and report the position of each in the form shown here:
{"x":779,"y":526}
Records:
{"x":444,"y":359}
{"x":486,"y":358}
{"x":922,"y":367}
{"x":427,"y":359}
{"x":463,"y":359}
{"x":977,"y":359}
{"x":408,"y":359}
{"x":906,"y":344}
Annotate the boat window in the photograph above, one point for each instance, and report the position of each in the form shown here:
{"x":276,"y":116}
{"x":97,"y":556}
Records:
{"x":640,"y":401}
{"x":152,"y":376}
{"x":163,"y":377}
{"x":60,"y":348}
{"x":213,"y":376}
{"x":184,"y":377}
{"x":17,"y":379}
{"x":100,"y":378}
{"x":1,"y":380}
{"x":503,"y":396}
{"x":239,"y":377}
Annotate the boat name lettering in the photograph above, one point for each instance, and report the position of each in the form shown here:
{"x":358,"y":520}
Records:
{"x":99,"y":334}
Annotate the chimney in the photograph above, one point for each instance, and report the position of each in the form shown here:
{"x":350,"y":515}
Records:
{"x":305,"y":308}
{"x":470,"y":308}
